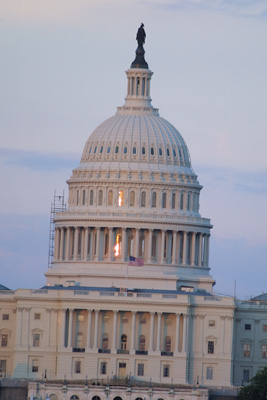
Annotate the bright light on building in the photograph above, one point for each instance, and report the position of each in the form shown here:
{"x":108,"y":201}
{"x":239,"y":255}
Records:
{"x":120,"y":199}
{"x":117,"y":246}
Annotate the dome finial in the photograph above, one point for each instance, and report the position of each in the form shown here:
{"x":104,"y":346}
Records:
{"x":140,"y":61}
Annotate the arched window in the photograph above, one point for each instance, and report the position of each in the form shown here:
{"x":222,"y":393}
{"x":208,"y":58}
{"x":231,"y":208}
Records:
{"x":154,"y":199}
{"x":134,"y":150}
{"x":132,"y":198}
{"x":53,"y":397}
{"x":74,"y":397}
{"x":164,"y":200}
{"x":160,"y":151}
{"x":91,"y":197}
{"x":96,"y":398}
{"x":168,"y":344}
{"x":143,"y":150}
{"x":152,"y":151}
{"x":110,"y":197}
{"x":123,"y":342}
{"x":100,"y":197}
{"x":116,"y":149}
{"x":173,"y":201}
{"x":125,"y":150}
{"x":108,"y":150}
{"x":105,"y":341}
{"x":143,"y":199}
{"x":142,"y":343}
{"x":168,"y":152}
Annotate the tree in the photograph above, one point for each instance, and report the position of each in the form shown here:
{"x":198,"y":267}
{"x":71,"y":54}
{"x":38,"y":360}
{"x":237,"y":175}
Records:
{"x":256,"y":389}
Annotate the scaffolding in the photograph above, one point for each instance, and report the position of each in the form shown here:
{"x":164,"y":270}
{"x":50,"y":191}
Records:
{"x":57,"y":205}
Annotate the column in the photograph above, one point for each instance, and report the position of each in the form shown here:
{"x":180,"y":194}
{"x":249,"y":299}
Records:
{"x":185,"y":248}
{"x":19,"y":326}
{"x":200,"y":250}
{"x":193,"y":248}
{"x":177,"y":333}
{"x":96,"y":329}
{"x":133,"y":330}
{"x":174,"y":244}
{"x":97,"y":243}
{"x":123,"y":244}
{"x":208,"y":250}
{"x":76,"y":236}
{"x":162,"y":246}
{"x":86,"y":236}
{"x":114,"y":339}
{"x":48,"y":327}
{"x":158,"y":347}
{"x":63,"y":325}
{"x":149,"y":245}
{"x":151,"y":342}
{"x":89,"y":328}
{"x":61,"y":248}
{"x":67,"y":251}
{"x":70,"y":328}
{"x":137,"y":233}
{"x":111,"y":245}
{"x":184,"y":333}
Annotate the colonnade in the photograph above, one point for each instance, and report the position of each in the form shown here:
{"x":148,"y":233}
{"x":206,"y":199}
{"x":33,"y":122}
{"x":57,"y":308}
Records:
{"x":162,"y":246}
{"x":107,"y":339}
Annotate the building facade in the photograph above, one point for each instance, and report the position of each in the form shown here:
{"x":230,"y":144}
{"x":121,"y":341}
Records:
{"x":128,"y":310}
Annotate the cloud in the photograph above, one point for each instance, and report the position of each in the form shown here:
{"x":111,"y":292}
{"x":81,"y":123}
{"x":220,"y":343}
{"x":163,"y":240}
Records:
{"x":37,"y":161}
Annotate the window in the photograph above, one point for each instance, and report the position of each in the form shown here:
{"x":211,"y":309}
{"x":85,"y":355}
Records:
{"x":264,"y":351}
{"x":142,"y":343}
{"x":83,"y":197}
{"x":168,"y":344}
{"x":123,"y":342}
{"x":121,"y":198}
{"x":173,"y":201}
{"x":140,"y":369}
{"x":95,"y":149}
{"x":106,"y":244}
{"x":132,"y":198}
{"x":143,"y":150}
{"x":110,"y":197}
{"x":105,"y":341}
{"x":103,"y":368}
{"x":5,"y":317}
{"x":188,"y":201}
{"x":211,"y":323}
{"x":264,"y":328}
{"x":182,"y":201}
{"x":125,"y":150}
{"x":77,"y":197}
{"x":154,"y":245}
{"x":101,"y":150}
{"x":166,"y":371}
{"x":134,"y":150}
{"x":210,"y":347}
{"x":142,"y":320}
{"x":4,"y":340}
{"x":100,"y":197}
{"x":37,"y":316}
{"x":35,"y":366}
{"x":143,"y":199}
{"x":245,"y":375}
{"x":36,"y":340}
{"x":247,"y":327}
{"x":174,"y":153}
{"x":116,"y":149}
{"x":91,"y":197}
{"x":168,"y":152}
{"x":152,"y":151}
{"x":108,"y":150}
{"x":164,"y":200}
{"x":154,"y":199}
{"x":209,"y":375}
{"x":2,"y":367}
{"x":90,"y":150}
{"x":246,"y":348}
{"x":77,"y":367}
{"x":160,"y":151}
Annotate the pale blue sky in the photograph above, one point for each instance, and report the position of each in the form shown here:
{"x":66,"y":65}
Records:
{"x":62,"y":73}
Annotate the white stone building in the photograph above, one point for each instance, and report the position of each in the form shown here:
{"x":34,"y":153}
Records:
{"x":128,"y":310}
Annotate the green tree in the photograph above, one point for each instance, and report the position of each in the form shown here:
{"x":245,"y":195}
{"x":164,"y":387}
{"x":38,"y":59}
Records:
{"x":257,"y":387}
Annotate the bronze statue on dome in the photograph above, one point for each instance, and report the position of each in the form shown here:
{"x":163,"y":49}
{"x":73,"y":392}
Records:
{"x":141,"y":35}
{"x":139,"y":61}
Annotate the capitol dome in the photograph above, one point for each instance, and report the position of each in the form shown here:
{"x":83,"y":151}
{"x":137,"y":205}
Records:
{"x":134,"y":198}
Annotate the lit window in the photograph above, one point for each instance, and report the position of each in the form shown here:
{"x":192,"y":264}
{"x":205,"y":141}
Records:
{"x":100,"y":197}
{"x":36,"y":340}
{"x":35,"y":366}
{"x":247,"y":327}
{"x":120,"y":198}
{"x":246,"y":348}
{"x":209,"y":373}
{"x":140,"y":369}
{"x":5,"y":317}
{"x":166,"y":371}
{"x":77,"y":367}
{"x":154,"y":199}
{"x":264,"y":351}
{"x":117,"y":247}
{"x":103,"y":368}
{"x":132,"y":198}
{"x":37,"y":316}
{"x":164,"y":200}
{"x":4,"y":340}
{"x":210,"y":347}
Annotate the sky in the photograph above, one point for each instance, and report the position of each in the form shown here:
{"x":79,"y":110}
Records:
{"x":62,"y":72}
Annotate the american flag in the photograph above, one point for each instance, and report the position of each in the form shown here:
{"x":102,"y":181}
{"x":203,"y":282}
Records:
{"x":136,"y":262}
